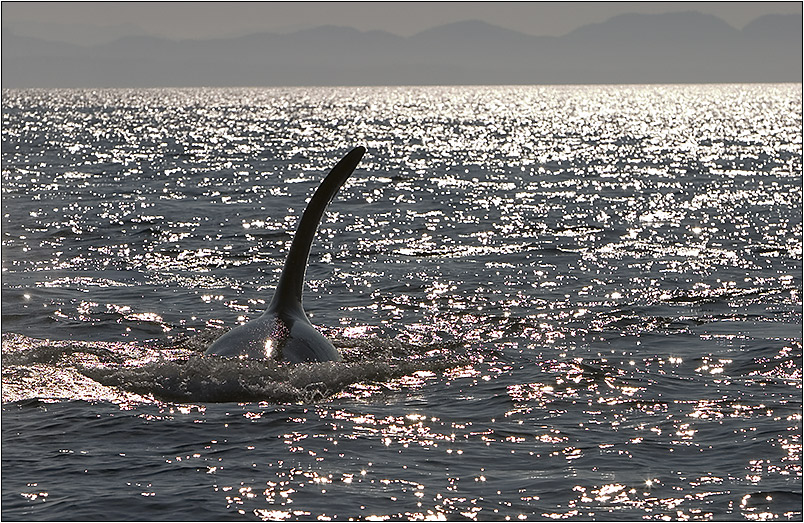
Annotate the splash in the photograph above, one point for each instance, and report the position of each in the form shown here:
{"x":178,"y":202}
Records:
{"x":178,"y":372}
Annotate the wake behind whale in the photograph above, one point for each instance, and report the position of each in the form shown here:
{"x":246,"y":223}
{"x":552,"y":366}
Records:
{"x":283,"y":332}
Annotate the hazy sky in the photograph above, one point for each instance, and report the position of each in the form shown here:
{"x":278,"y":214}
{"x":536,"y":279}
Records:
{"x":70,"y":21}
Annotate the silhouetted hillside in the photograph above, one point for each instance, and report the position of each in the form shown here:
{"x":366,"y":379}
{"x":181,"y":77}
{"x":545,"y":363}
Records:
{"x":686,"y":47}
{"x":775,"y":27}
{"x":690,"y":28}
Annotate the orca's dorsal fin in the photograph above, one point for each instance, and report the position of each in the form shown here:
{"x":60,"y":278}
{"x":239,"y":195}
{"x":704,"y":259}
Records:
{"x":289,"y":290}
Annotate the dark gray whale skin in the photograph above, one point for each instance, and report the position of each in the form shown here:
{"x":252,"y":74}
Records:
{"x":283,"y":332}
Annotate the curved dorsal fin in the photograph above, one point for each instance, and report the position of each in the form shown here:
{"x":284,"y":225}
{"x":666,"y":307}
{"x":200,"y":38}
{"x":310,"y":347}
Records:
{"x":289,"y":290}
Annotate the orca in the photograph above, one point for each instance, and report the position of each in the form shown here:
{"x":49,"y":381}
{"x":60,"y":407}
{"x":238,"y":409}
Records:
{"x":283,"y":332}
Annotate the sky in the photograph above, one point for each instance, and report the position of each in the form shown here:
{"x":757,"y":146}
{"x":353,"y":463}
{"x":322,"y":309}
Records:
{"x":96,"y":22}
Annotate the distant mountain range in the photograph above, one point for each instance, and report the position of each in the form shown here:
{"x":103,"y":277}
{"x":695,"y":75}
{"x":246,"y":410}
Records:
{"x":685,"y":47}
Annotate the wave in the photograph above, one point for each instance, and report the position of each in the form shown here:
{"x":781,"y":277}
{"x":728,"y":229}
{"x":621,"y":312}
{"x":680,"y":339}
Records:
{"x":178,"y":371}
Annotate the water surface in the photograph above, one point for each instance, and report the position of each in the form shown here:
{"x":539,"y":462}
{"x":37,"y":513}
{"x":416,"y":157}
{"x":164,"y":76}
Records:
{"x":552,"y":302}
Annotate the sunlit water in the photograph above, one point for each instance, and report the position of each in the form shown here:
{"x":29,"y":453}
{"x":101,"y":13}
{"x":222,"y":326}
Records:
{"x":560,"y":302}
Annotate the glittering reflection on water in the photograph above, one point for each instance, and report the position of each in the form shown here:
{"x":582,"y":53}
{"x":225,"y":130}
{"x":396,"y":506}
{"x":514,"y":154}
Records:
{"x":553,"y":303}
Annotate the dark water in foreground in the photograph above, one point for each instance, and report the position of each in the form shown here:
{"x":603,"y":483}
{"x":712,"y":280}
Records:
{"x":553,"y":303}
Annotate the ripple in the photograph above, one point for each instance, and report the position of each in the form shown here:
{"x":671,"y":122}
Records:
{"x":568,"y":302}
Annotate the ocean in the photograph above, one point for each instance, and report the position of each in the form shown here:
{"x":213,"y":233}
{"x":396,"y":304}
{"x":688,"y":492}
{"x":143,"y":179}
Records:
{"x":560,"y":302}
